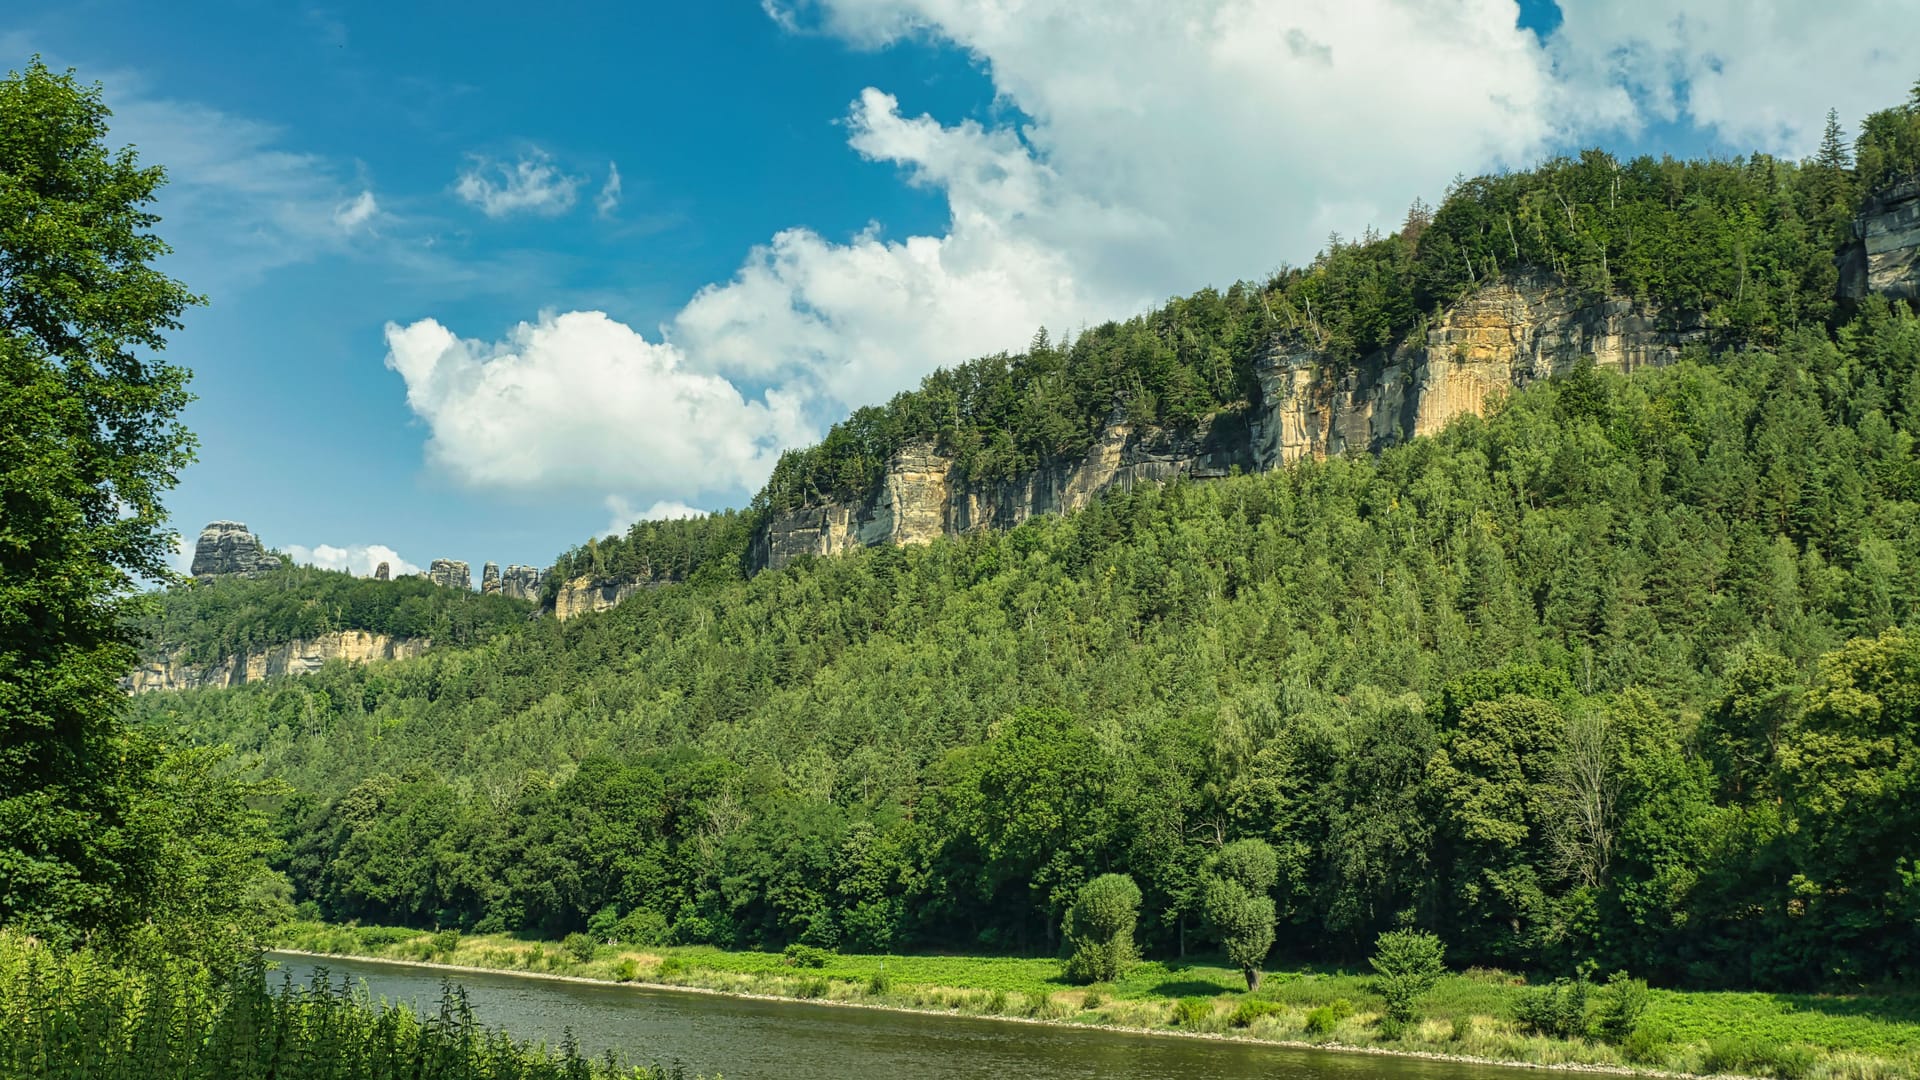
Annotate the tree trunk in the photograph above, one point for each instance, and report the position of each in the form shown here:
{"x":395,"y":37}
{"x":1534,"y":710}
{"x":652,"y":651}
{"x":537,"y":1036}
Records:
{"x":1253,"y":979}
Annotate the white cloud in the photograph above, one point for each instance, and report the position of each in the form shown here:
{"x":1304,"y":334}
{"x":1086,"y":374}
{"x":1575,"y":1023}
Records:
{"x":358,"y":559}
{"x":355,"y":212}
{"x":531,"y":185}
{"x":624,"y":514}
{"x":1761,"y":75}
{"x":608,"y":200}
{"x":583,"y":400}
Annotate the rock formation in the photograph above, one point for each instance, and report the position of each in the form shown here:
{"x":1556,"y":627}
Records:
{"x":380,"y":573}
{"x":297,"y":657}
{"x":450,"y":573}
{"x":587,"y":593}
{"x":522,"y":582}
{"x":1885,"y":254}
{"x":1500,"y":337}
{"x":490,"y":578}
{"x":226,"y":547}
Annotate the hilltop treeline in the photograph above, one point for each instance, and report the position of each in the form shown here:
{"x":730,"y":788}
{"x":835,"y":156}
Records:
{"x":208,"y":619}
{"x":1744,"y":247}
{"x":1613,"y":676}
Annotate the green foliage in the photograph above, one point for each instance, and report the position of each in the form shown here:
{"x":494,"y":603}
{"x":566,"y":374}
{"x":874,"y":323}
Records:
{"x":1323,"y":1019}
{"x":1195,"y":1013}
{"x":444,"y":942}
{"x":1621,"y":1008}
{"x":1099,"y":929}
{"x":709,"y":549}
{"x":105,"y":833}
{"x":1557,"y":1010}
{"x":203,"y":621}
{"x":581,"y":946}
{"x":1237,"y":904}
{"x":807,"y":956}
{"x":76,"y":1015}
{"x":1409,"y":963}
{"x":1751,"y":1057}
{"x":1247,"y":1010}
{"x":880,"y":982}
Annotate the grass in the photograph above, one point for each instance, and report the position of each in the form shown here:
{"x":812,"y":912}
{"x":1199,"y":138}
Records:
{"x":1469,"y":1014}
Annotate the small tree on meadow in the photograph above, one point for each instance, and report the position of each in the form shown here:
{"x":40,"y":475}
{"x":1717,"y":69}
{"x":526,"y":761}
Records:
{"x":1099,"y":929}
{"x":1238,"y":904}
{"x":1409,"y":963}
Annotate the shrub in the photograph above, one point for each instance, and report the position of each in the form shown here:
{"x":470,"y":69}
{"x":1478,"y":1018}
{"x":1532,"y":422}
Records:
{"x":1250,"y":1009}
{"x":815,"y":987}
{"x":1099,"y":929}
{"x":581,"y":946}
{"x":627,"y":970}
{"x":445,"y":942}
{"x":806,"y":956}
{"x":672,"y":965}
{"x":879,"y":982}
{"x":1558,"y":1010}
{"x":1622,"y":1005}
{"x":642,"y":927}
{"x":1741,"y":1054}
{"x":1646,"y":1044}
{"x":997,"y":1002}
{"x":1409,"y":963}
{"x":1193,"y":1012}
{"x":1462,"y":1029}
{"x":1092,"y":1000}
{"x":1322,"y":1021}
{"x":376,"y":937}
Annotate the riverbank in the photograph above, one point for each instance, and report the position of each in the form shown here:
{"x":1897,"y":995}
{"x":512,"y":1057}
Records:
{"x":1467,"y":1018}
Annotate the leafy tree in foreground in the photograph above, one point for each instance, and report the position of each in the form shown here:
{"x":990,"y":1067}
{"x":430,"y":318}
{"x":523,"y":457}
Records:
{"x":102,"y":830}
{"x":1238,"y":904}
{"x":1409,"y":963}
{"x":1099,"y":929}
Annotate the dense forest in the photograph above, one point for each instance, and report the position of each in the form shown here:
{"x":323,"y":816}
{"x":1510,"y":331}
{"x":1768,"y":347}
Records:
{"x":205,"y":620}
{"x":1613,"y":676}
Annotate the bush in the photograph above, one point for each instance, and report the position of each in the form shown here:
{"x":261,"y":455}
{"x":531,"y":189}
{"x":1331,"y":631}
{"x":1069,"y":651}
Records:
{"x":581,"y":946}
{"x":1322,"y":1021}
{"x":1622,"y":1005}
{"x":1193,"y":1012}
{"x":377,"y":937}
{"x":815,"y":987}
{"x":1249,"y":1010}
{"x":642,"y":927}
{"x":1099,"y":929}
{"x":1462,"y":1029}
{"x":997,"y":1002}
{"x":672,"y":965}
{"x":627,"y":970}
{"x":1091,"y":1000}
{"x":1409,"y":963}
{"x":1740,"y":1054}
{"x":1558,"y":1010}
{"x":806,"y":956}
{"x":445,"y":942}
{"x":1646,"y":1044}
{"x":879,"y":982}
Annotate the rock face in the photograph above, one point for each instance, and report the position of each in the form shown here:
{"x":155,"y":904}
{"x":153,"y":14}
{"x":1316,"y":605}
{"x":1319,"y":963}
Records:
{"x":380,"y":573}
{"x":226,"y":547}
{"x":490,"y":578}
{"x":522,"y":582}
{"x":297,"y":657}
{"x":450,"y":573}
{"x":1503,"y":336}
{"x":1885,"y":254}
{"x":588,"y":593}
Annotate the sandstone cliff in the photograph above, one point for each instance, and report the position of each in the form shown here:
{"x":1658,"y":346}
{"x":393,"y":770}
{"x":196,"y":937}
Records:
{"x":1502,"y":336}
{"x":226,"y":547}
{"x":522,"y":582}
{"x":450,"y":573}
{"x":1885,"y":254}
{"x":297,"y":657}
{"x":587,"y":593}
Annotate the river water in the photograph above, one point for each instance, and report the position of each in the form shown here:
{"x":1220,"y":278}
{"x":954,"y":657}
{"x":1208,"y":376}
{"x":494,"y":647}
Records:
{"x":768,"y":1040}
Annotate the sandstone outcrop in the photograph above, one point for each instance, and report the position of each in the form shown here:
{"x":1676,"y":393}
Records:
{"x":522,"y":582}
{"x":588,"y":593}
{"x":1502,"y":336}
{"x":450,"y":573}
{"x":1885,"y":254}
{"x":381,"y":573}
{"x":490,"y":578}
{"x":226,"y":547}
{"x":297,"y":657}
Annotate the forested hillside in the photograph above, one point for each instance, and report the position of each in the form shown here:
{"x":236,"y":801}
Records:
{"x":202,"y":621}
{"x":1612,"y":676}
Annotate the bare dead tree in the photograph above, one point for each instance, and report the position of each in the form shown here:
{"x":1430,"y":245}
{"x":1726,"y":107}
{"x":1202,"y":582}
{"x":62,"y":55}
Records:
{"x":1586,"y":791}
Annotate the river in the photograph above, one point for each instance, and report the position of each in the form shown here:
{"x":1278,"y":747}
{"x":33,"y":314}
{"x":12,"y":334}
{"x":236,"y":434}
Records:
{"x":746,"y":1039}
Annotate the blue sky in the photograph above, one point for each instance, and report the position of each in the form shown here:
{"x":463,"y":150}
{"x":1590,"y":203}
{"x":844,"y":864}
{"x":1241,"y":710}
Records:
{"x":436,"y":327}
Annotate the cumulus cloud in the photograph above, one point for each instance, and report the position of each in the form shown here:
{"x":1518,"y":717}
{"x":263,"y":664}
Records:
{"x":584,"y":400}
{"x":1761,"y":75}
{"x":1148,"y":149}
{"x":356,"y":212}
{"x":531,"y":185}
{"x":608,"y":200}
{"x":624,"y":514}
{"x":357,"y":559}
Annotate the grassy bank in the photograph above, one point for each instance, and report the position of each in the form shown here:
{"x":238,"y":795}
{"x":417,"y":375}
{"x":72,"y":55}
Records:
{"x":1790,"y":1036}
